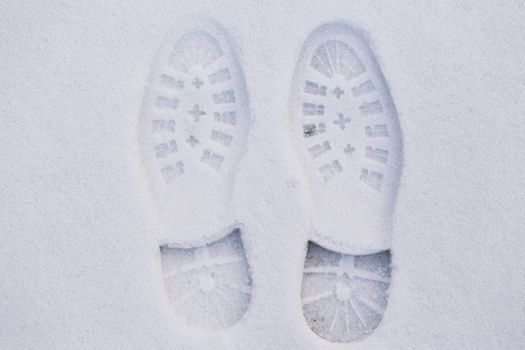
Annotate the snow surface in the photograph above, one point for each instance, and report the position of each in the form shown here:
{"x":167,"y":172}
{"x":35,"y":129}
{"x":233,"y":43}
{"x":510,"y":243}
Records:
{"x":79,"y":258}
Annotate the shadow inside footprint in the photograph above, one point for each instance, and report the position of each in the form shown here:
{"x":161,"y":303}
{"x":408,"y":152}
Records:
{"x":344,"y":296}
{"x":208,"y":286}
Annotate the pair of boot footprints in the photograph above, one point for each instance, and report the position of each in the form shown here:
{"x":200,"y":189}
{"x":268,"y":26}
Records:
{"x":347,"y":135}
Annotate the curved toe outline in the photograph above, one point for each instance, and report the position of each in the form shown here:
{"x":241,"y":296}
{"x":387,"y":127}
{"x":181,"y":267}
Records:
{"x":192,"y":133}
{"x":345,"y":126}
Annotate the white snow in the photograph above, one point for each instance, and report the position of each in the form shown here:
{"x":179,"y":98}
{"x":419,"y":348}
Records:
{"x":79,"y":258}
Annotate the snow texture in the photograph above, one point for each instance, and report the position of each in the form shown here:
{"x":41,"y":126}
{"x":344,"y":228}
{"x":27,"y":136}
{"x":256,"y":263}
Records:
{"x":80,"y":259}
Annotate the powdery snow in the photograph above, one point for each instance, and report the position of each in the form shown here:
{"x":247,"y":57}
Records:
{"x":80,"y":261}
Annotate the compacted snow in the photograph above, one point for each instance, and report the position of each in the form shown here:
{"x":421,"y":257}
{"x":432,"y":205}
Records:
{"x":262,"y":175}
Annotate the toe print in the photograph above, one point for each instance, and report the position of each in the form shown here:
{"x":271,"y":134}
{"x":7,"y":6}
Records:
{"x":339,"y":92}
{"x":199,"y":103}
